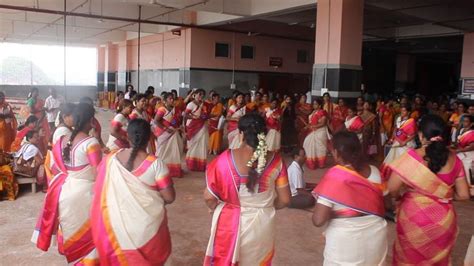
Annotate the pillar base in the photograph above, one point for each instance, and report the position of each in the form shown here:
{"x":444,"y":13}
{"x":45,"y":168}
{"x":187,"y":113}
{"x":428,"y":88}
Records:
{"x":342,"y":81}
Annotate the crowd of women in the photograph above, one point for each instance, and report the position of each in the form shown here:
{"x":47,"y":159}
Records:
{"x":105,"y":202}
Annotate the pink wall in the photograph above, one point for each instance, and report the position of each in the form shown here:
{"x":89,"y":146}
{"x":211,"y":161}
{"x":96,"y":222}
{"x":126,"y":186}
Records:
{"x":203,"y":54}
{"x":467,"y":65}
{"x":111,"y":57}
{"x":100,"y":59}
{"x":339,"y":32}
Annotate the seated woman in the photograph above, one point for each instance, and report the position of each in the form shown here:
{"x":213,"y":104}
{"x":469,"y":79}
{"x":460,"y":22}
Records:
{"x":29,"y":160}
{"x":426,"y":181}
{"x":8,"y":184}
{"x":244,"y":187}
{"x":128,"y":217}
{"x":30,"y":124}
{"x":350,"y":200}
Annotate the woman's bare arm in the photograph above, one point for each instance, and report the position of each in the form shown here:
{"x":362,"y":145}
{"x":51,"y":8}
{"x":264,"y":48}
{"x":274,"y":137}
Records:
{"x":168,"y":194}
{"x":283,"y":197}
{"x":321,"y":215}
{"x":210,"y":200}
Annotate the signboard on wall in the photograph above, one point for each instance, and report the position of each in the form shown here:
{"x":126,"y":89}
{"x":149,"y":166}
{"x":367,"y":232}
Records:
{"x":276,"y":62}
{"x":468,"y":86}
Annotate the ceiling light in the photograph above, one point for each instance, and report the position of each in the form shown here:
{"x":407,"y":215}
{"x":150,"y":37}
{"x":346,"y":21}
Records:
{"x":100,"y":21}
{"x":292,"y":23}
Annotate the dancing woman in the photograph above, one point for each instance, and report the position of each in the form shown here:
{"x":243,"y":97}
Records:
{"x":118,"y":135}
{"x":315,"y":143}
{"x":128,"y":216}
{"x":244,"y":187}
{"x":215,"y":132}
{"x":235,"y":112}
{"x":197,"y":135}
{"x":403,"y":137}
{"x":273,"y":121}
{"x":302,"y":110}
{"x":465,"y":148}
{"x":430,"y":177}
{"x":68,"y":201}
{"x":350,"y":201}
{"x":354,"y":123}
{"x":169,"y":143}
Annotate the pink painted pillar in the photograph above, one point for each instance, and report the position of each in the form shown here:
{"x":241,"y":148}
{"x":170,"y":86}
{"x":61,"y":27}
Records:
{"x":467,"y":65}
{"x":338,"y":48}
{"x":100,"y":67}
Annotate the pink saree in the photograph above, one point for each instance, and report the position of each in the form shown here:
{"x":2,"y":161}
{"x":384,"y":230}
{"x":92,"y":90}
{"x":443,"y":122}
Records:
{"x":426,"y":219}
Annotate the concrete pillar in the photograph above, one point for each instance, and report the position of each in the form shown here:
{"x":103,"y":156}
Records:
{"x":467,"y":65}
{"x":110,"y":69}
{"x":338,"y":48}
{"x":405,"y":71}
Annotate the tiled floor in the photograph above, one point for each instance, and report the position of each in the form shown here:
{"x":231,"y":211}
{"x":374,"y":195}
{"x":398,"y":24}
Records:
{"x":298,"y":241}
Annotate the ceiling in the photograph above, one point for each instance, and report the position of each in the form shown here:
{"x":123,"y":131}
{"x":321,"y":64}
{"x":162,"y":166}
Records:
{"x":384,"y":20}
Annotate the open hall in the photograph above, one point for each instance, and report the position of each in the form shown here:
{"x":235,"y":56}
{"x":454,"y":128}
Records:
{"x":236,"y":132}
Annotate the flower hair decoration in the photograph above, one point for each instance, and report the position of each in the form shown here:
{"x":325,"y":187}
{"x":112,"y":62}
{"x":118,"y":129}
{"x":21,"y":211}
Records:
{"x":260,"y":154}
{"x":436,"y":138}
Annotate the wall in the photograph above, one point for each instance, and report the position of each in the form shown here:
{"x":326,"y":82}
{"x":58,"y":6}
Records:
{"x":203,"y":54}
{"x":220,"y":80}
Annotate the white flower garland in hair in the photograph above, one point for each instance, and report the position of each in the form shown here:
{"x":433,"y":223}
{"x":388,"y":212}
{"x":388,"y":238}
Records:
{"x":260,"y":154}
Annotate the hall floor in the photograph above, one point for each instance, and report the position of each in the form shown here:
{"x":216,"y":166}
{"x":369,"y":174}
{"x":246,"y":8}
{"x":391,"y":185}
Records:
{"x":298,"y":242}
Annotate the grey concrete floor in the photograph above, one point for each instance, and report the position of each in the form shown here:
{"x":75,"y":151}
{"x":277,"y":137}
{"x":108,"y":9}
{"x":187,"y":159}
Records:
{"x":298,"y":241}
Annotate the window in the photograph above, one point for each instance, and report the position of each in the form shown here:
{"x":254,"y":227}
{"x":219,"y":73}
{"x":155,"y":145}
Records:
{"x":246,"y":52}
{"x":302,"y":56}
{"x":31,"y":64}
{"x":222,"y":50}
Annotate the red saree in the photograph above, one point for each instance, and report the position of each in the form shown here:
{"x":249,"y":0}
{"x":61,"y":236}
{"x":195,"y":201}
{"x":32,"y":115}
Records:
{"x":426,"y":219}
{"x":338,"y":117}
{"x":347,"y":187}
{"x":407,"y":129}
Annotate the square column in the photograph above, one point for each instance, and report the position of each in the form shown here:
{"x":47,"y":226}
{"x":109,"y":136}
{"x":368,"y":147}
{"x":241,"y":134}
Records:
{"x":338,"y":48}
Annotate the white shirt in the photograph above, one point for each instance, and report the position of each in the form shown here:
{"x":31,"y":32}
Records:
{"x":295,"y":177}
{"x":52,"y":103}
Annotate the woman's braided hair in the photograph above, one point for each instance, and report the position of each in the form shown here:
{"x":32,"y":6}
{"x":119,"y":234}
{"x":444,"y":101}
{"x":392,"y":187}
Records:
{"x":83,"y":113}
{"x":254,"y":129}
{"x":139,"y":132}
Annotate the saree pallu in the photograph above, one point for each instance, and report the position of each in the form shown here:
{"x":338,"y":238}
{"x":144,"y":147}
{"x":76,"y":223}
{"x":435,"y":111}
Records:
{"x":243,"y":226}
{"x":467,"y":157}
{"x":406,"y":129}
{"x":196,"y":156}
{"x":355,"y":124}
{"x":66,"y":212}
{"x":20,"y":135}
{"x":8,"y":184}
{"x":338,"y":117}
{"x":426,"y":220}
{"x":128,"y":218}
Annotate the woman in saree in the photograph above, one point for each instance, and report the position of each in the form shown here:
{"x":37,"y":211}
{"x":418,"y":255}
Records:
{"x":197,"y":134}
{"x":30,"y":124}
{"x":465,"y":149}
{"x":426,"y":181}
{"x":68,"y":200}
{"x":370,"y":132}
{"x":29,"y":160}
{"x":403,"y":137}
{"x":36,"y":107}
{"x":64,"y":128}
{"x":235,"y":112}
{"x":118,"y":134}
{"x":244,"y":187}
{"x":303,"y":110}
{"x":273,"y":121}
{"x":455,"y":120}
{"x":339,"y":116}
{"x":8,"y":124}
{"x":354,"y":123}
{"x":167,"y":130}
{"x":128,"y":215}
{"x":350,"y":201}
{"x":8,"y":185}
{"x":386,"y":120}
{"x":139,"y":112}
{"x":315,"y":143}
{"x":328,"y":106}
{"x":215,"y":133}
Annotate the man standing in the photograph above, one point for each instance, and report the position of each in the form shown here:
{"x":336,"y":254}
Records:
{"x":51,"y":105}
{"x":300,"y":197}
